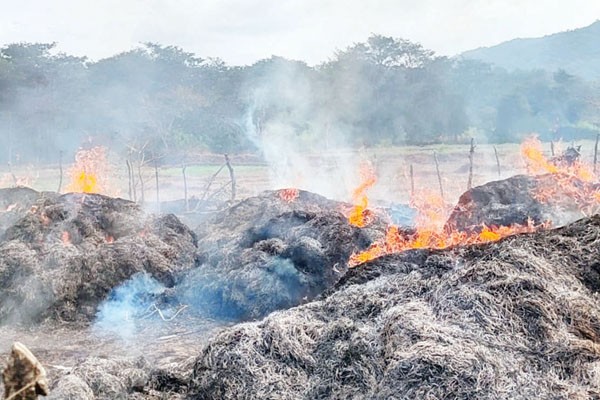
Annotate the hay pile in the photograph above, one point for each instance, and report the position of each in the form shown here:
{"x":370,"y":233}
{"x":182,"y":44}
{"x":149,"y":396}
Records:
{"x":118,"y":377}
{"x":66,"y":253}
{"x":516,"y":319}
{"x":517,"y":199}
{"x":102,"y":378}
{"x":265,"y":254}
{"x":15,"y":202}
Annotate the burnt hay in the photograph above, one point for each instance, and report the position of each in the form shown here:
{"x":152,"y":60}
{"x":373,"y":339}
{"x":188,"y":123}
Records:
{"x":64,"y":255}
{"x":516,"y":319}
{"x":514,"y":201}
{"x":265,"y":254}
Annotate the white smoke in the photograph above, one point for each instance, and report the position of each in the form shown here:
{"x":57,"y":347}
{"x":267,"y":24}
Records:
{"x":126,"y":304}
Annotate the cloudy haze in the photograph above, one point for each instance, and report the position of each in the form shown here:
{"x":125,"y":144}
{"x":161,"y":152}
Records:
{"x":241,"y":32}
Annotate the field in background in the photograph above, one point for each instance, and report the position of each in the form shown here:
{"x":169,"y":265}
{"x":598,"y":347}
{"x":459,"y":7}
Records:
{"x":392,"y":166}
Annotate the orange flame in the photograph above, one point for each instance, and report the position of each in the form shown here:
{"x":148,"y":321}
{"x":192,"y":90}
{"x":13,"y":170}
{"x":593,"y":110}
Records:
{"x":432,"y":214}
{"x":537,"y":163}
{"x":289,"y":195}
{"x":89,"y":173}
{"x":86,"y":183}
{"x":395,"y":242}
{"x":359,"y":215}
{"x":432,"y":210}
{"x":570,"y":182}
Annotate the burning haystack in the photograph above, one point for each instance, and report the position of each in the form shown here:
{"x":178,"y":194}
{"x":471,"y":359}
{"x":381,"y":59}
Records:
{"x":550,"y":198}
{"x":63,"y":255}
{"x":268,"y":252}
{"x":515,"y":319}
{"x":14,"y":204}
{"x":505,"y":319}
{"x":66,"y":253}
{"x":271,"y":252}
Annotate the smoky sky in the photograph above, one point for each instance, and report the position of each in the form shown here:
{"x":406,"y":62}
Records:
{"x":244,"y":31}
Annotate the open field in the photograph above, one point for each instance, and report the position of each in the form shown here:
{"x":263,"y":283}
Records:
{"x":337,"y":171}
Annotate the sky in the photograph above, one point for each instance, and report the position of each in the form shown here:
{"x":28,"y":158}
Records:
{"x":243,"y":31}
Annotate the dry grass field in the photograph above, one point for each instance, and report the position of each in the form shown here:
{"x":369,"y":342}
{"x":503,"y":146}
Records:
{"x":337,"y":173}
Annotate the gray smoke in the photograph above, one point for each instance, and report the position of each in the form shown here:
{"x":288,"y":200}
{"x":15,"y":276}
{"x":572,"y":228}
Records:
{"x":126,"y":304}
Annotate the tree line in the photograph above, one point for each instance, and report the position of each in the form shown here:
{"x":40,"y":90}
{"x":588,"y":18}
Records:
{"x":385,"y":91}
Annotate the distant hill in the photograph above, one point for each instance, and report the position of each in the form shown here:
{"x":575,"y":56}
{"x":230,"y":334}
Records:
{"x":576,"y":51}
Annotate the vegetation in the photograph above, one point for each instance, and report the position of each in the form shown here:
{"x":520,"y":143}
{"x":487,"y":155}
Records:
{"x":384,"y":91}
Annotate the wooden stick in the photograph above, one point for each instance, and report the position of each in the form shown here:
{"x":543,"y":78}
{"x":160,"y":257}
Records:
{"x":219,"y":190}
{"x":210,"y":182}
{"x":231,"y":175}
{"x":471,"y":153}
{"x":142,"y":194}
{"x":157,"y":187}
{"x":185,"y":188}
{"x":497,"y":161}
{"x":155,"y":309}
{"x":437,"y":168}
{"x":30,"y":385}
{"x":552,"y":148}
{"x":129,"y":179}
{"x":60,"y":169}
{"x":412,"y":182}
{"x":596,"y":151}
{"x":141,"y":162}
{"x":10,"y":136}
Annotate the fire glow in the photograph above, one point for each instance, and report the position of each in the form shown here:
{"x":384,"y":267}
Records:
{"x":432,"y":212}
{"x":572,"y":180}
{"x":89,"y":173}
{"x":537,"y":163}
{"x":359,"y":215}
{"x":289,"y":195}
{"x":430,"y":234}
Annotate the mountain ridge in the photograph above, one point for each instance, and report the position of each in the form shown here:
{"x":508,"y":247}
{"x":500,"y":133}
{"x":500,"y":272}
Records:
{"x":576,"y":51}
